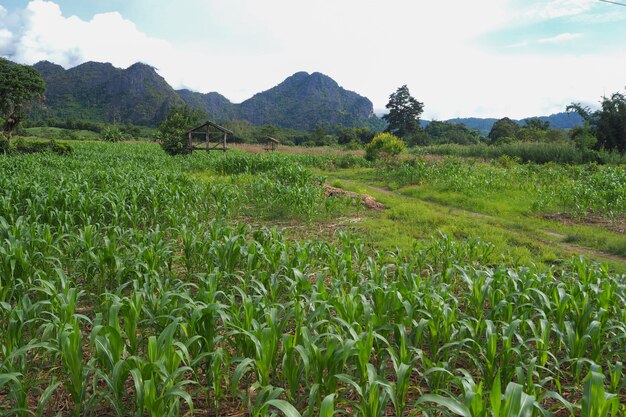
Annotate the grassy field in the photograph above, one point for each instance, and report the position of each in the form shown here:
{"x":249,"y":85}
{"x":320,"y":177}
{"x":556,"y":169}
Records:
{"x":132,"y":283}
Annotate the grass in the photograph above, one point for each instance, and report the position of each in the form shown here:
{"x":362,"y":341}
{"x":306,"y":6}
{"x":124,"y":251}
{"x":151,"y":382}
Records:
{"x":502,"y":211}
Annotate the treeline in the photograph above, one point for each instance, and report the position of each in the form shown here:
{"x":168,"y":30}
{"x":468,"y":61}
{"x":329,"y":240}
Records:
{"x":128,"y":129}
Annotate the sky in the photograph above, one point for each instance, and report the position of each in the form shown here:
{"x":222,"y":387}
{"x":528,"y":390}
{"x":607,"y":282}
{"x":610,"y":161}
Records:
{"x":481,"y":58}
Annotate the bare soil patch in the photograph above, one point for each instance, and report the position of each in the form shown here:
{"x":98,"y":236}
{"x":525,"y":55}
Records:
{"x":366,"y":200}
{"x":617,"y":225}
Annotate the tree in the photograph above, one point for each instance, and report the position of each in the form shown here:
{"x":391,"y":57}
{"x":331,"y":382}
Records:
{"x":503,"y":128}
{"x":608,"y":124}
{"x":172,"y":130}
{"x":404,"y":113}
{"x":447,"y":132}
{"x":537,"y":124}
{"x":21,"y":87}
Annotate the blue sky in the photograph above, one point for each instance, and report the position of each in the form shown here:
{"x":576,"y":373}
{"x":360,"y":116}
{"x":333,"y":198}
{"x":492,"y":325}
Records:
{"x":486,"y":58}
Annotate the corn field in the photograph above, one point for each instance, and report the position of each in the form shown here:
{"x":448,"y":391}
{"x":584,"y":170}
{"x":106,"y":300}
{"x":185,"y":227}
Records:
{"x":130,"y":287}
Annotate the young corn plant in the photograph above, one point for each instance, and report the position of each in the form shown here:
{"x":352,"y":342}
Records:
{"x":159,"y":378}
{"x":596,"y":401}
{"x":70,"y":347}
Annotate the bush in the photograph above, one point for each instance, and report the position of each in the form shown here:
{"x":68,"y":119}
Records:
{"x":175,"y":144}
{"x":112,"y":134}
{"x":4,"y":144}
{"x":384,"y":145}
{"x":22,"y":146}
{"x":172,"y":130}
{"x":353,"y":145}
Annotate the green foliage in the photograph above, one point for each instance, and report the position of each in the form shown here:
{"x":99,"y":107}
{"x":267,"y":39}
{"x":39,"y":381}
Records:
{"x":21,"y":87}
{"x":538,"y":152}
{"x":31,"y":146}
{"x":112,"y":134}
{"x":608,"y":124}
{"x":172,"y":130}
{"x":505,"y":131}
{"x":363,"y":135}
{"x":404,"y":113}
{"x":4,"y":144}
{"x":537,"y":124}
{"x":385,"y":146}
{"x":503,"y":128}
{"x":322,"y":137}
{"x":353,"y":145}
{"x":445,"y":132}
{"x":583,"y":137}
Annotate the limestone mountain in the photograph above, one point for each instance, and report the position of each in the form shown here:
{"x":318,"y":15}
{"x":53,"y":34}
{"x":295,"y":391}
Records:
{"x":100,"y":92}
{"x":217,"y":106}
{"x":303,"y":101}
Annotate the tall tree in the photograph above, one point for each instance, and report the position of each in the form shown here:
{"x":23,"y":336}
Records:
{"x":21,"y":87}
{"x":608,"y":124}
{"x":504,"y":128}
{"x":404,"y":113}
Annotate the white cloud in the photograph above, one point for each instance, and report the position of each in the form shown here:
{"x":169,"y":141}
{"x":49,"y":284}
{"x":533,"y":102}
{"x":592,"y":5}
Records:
{"x":562,"y":37}
{"x":559,"y":8}
{"x":597,"y":18}
{"x":6,"y":38}
{"x":47,"y":35}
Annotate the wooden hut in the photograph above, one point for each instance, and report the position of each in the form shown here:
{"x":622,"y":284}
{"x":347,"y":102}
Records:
{"x":271,"y":144}
{"x":208,"y":136}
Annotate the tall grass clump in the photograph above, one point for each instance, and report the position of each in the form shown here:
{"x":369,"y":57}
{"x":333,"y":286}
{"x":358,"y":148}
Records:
{"x":537,"y":152}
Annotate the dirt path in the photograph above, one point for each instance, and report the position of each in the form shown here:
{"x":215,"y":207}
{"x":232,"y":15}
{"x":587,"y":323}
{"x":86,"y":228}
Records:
{"x":558,"y":239}
{"x":579,"y":249}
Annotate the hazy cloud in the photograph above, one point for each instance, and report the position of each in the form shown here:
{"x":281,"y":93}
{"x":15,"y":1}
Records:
{"x":560,"y":8}
{"x":562,"y":37}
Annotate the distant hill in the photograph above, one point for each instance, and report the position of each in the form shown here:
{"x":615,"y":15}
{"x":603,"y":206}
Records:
{"x":564,"y":120}
{"x":139,"y":95}
{"x":100,"y":92}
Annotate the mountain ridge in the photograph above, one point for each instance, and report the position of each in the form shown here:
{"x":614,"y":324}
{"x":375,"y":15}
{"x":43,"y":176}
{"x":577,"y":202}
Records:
{"x":99,"y":91}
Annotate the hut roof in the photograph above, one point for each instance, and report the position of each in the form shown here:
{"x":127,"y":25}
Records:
{"x":271,"y":139}
{"x":211,"y":124}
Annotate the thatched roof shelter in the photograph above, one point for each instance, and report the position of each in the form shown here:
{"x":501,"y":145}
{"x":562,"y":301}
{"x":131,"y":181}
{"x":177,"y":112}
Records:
{"x":208,"y":136}
{"x":271,"y":143}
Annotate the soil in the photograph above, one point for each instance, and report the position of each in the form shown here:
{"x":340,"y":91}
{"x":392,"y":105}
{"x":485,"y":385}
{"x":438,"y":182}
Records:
{"x":617,"y":225}
{"x":366,"y":200}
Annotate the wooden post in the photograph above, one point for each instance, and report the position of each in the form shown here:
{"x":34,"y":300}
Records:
{"x":225,"y":134}
{"x":190,"y":142}
{"x":207,"y":138}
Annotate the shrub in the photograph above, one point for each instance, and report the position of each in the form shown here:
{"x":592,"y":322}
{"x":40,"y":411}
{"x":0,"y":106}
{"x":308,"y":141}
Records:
{"x":172,"y":130}
{"x":22,"y":146}
{"x":4,"y":144}
{"x":112,"y":134}
{"x":353,"y":145}
{"x":384,"y":145}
